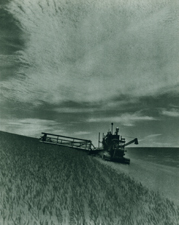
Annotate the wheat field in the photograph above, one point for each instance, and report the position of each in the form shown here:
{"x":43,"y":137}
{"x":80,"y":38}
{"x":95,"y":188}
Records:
{"x":43,"y":184}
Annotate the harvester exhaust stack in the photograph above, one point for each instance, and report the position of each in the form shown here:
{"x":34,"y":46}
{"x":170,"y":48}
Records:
{"x":111,"y":128}
{"x":99,"y":140}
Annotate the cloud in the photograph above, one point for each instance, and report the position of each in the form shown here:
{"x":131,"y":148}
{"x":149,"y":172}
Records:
{"x":125,"y":119}
{"x":82,"y":133}
{"x":30,"y":126}
{"x":74,"y":110}
{"x":171,"y":113}
{"x":151,"y":140}
{"x":103,"y":106}
{"x":81,"y":53}
{"x":151,"y":136}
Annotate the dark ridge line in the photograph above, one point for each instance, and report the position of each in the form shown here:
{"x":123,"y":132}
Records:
{"x":17,"y":134}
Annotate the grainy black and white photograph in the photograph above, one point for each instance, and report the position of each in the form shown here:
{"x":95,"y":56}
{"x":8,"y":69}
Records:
{"x":89,"y":112}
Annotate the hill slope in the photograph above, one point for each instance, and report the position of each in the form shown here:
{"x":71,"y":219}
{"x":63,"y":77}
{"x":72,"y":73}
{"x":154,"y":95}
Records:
{"x":159,"y":178}
{"x":45,"y":184}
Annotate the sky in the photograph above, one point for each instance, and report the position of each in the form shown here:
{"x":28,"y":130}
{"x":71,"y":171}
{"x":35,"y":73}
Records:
{"x":72,"y":67}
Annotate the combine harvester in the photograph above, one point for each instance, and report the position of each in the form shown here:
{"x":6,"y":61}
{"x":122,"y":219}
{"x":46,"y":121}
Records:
{"x":113,"y":146}
{"x":112,"y":149}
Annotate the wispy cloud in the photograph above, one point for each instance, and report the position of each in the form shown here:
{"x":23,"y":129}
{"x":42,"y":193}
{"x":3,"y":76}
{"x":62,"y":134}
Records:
{"x":29,"y":126}
{"x":124,"y":119}
{"x":151,"y":140}
{"x":152,"y":136}
{"x":171,"y":113}
{"x":82,"y":133}
{"x":74,"y":110}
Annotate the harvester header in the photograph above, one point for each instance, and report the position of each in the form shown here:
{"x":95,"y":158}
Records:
{"x":67,"y":141}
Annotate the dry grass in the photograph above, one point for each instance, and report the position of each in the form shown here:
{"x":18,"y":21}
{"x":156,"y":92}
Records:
{"x":44,"y":184}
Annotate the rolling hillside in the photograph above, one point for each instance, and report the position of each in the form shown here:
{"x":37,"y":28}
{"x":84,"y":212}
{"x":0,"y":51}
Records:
{"x":45,"y":184}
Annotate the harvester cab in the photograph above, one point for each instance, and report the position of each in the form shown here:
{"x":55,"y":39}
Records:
{"x":113,"y":146}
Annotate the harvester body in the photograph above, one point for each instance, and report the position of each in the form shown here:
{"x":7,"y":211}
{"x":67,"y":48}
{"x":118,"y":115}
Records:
{"x":113,"y":146}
